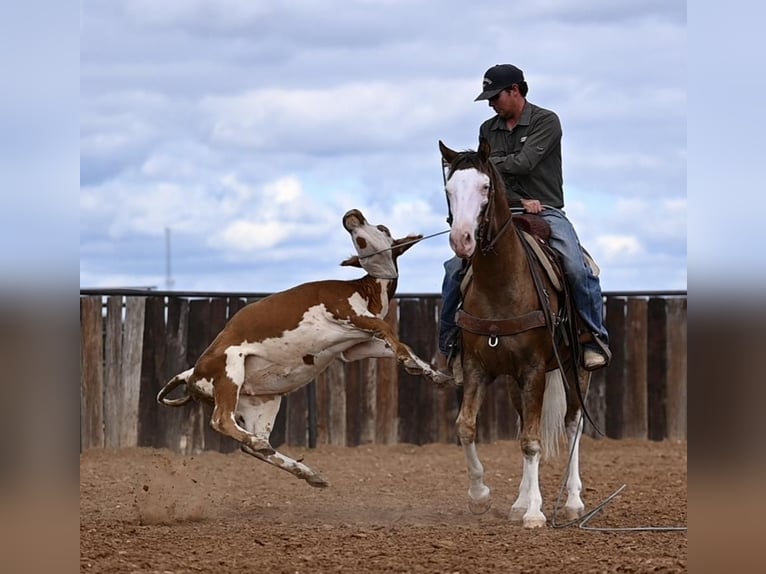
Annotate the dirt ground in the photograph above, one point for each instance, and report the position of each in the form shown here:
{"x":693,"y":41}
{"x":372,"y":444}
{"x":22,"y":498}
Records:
{"x":395,"y":508}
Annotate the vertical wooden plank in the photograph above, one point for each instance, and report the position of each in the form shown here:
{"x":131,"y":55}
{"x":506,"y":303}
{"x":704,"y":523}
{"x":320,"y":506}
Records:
{"x":634,"y":406}
{"x":505,"y":414}
{"x":322,"y":382}
{"x":311,"y":397}
{"x":279,"y":432}
{"x":219,"y":308}
{"x":615,"y":372}
{"x":595,"y":402}
{"x":409,"y":395}
{"x":234,"y":304}
{"x":152,"y":372}
{"x":486,"y":428}
{"x":113,"y":372}
{"x":368,"y":370}
{"x":353,"y":401}
{"x":657,"y":368}
{"x":217,"y":321}
{"x":676,"y":368}
{"x":173,"y":429}
{"x":336,"y":387}
{"x":515,"y":420}
{"x":387,"y":389}
{"x":295,"y":405}
{"x":197,"y":342}
{"x":132,"y":351}
{"x":418,"y":423}
{"x":91,"y":373}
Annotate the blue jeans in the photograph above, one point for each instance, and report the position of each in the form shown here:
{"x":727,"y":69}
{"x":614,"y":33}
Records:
{"x":585,"y":287}
{"x":453,"y":275}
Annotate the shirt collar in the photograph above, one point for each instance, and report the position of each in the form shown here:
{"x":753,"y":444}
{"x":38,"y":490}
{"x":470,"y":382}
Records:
{"x":498,"y":123}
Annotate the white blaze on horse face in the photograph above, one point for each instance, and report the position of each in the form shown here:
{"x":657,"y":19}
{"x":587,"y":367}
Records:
{"x":369,"y":239}
{"x":468,"y":191}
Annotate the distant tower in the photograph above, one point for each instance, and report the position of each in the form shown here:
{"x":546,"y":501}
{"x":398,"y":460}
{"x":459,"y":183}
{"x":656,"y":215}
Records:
{"x":168,"y":277}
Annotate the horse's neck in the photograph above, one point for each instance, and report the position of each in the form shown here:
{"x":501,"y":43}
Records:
{"x":504,"y":268}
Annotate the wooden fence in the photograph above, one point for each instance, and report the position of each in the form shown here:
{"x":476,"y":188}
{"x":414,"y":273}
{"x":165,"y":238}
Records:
{"x":131,"y":344}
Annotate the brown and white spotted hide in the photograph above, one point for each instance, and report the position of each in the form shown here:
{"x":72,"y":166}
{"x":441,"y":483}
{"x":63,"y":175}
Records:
{"x":280,"y":343}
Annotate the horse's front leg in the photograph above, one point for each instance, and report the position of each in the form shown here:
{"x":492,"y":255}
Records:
{"x":528,"y":505}
{"x":479,"y":494}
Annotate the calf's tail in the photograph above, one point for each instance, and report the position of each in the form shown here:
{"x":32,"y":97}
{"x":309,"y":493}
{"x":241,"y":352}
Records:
{"x":172,"y":384}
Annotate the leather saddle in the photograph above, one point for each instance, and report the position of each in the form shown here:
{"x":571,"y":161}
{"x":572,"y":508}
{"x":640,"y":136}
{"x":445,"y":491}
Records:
{"x":537,"y":233}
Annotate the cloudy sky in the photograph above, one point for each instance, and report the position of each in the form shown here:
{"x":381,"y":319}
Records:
{"x":243,"y":130}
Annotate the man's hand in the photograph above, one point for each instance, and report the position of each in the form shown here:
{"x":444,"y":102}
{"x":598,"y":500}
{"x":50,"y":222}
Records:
{"x":532,"y":205}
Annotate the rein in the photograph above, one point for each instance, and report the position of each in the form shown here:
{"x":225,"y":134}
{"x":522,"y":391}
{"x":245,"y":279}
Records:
{"x":405,"y":243}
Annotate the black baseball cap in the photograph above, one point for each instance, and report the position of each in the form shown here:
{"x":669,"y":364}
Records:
{"x":498,"y":78}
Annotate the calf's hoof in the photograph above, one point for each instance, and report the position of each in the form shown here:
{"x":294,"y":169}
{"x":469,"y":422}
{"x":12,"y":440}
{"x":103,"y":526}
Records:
{"x":317,"y":481}
{"x":441,"y":379}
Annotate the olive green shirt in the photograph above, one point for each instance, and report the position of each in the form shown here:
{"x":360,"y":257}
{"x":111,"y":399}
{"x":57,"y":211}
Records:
{"x":528,"y":156}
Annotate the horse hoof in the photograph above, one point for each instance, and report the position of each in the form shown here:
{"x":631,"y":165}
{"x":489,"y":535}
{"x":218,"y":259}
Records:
{"x":517,"y":514}
{"x":479,"y":506}
{"x":574,"y":513}
{"x":533,"y":522}
{"x":317,"y":481}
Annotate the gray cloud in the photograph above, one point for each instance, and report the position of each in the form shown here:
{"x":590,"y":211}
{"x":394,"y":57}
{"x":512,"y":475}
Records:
{"x":196,"y":113}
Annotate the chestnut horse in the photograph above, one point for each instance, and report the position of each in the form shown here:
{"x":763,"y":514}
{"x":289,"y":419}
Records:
{"x":506,"y":329}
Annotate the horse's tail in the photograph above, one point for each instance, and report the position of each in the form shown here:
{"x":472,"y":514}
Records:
{"x":179,"y":379}
{"x":552,"y":428}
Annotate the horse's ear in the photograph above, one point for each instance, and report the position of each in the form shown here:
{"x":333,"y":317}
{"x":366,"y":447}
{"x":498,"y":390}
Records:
{"x":484,"y":149}
{"x":352,"y":261}
{"x":447,"y":154}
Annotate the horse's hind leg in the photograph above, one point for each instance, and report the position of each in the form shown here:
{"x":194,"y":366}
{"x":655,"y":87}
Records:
{"x":258,"y":415}
{"x":226,"y":395}
{"x":574,"y":507}
{"x":479,"y":494}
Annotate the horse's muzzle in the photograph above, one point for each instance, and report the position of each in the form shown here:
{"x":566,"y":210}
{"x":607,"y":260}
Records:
{"x":462,"y":242}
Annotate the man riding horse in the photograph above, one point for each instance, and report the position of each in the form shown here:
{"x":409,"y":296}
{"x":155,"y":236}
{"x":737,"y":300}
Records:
{"x":525,"y":143}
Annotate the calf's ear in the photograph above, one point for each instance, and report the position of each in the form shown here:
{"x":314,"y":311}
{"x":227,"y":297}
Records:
{"x":403,"y":244}
{"x":352,"y":261}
